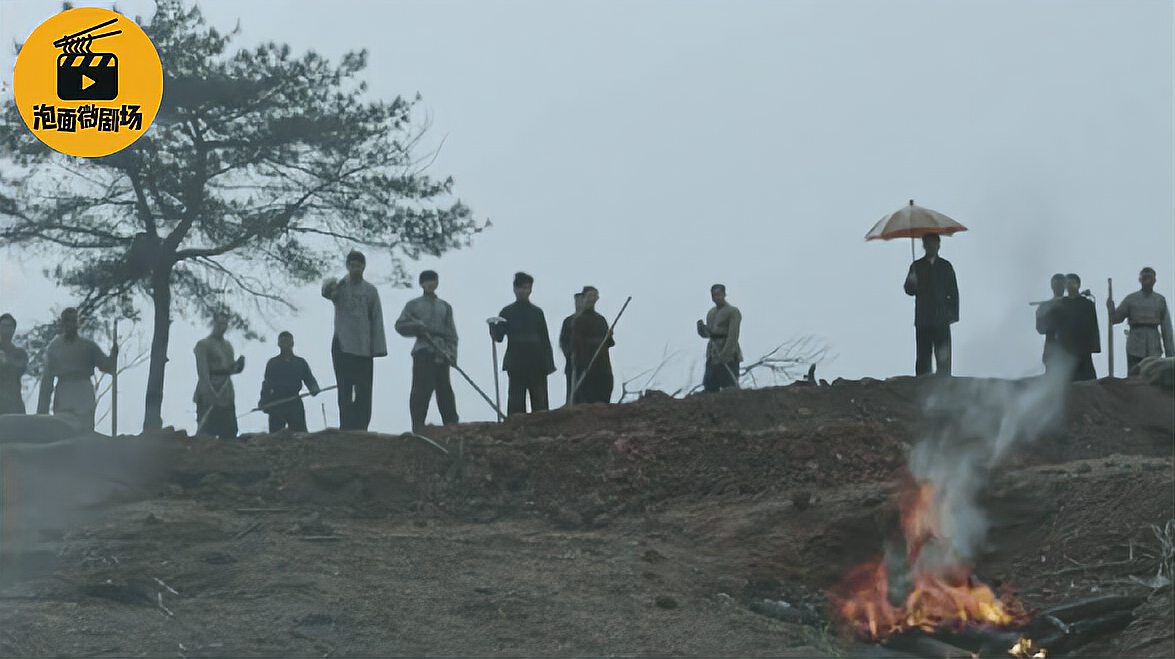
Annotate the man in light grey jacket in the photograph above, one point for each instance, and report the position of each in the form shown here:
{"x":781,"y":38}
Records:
{"x":430,"y":320}
{"x":721,"y":330}
{"x":359,"y":339}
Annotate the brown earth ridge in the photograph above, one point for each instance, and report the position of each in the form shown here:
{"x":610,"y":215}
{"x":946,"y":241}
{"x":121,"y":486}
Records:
{"x":658,"y":527}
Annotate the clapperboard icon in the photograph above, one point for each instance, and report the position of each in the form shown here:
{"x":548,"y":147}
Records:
{"x":83,"y":75}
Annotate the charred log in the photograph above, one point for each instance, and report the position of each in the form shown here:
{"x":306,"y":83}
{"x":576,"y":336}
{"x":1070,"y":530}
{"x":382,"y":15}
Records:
{"x":1095,"y":606}
{"x":980,"y":640}
{"x":1084,"y":631}
{"x":924,"y":646}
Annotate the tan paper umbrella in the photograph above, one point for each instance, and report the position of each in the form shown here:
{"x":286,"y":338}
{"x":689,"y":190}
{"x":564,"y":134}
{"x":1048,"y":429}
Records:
{"x":913,"y":222}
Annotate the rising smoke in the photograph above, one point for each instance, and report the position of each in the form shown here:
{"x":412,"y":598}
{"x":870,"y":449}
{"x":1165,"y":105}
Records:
{"x":50,"y":489}
{"x":971,"y":427}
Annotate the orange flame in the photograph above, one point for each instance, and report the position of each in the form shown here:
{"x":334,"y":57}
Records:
{"x":1026,"y":649}
{"x":942,"y":592}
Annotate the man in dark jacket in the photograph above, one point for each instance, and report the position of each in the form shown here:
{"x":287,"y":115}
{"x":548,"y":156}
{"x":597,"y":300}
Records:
{"x":1078,"y":334}
{"x":284,"y":376}
{"x":13,"y":363}
{"x":529,"y":359}
{"x":567,"y":346}
{"x":590,"y":331}
{"x":931,"y":280}
{"x":1047,"y":320}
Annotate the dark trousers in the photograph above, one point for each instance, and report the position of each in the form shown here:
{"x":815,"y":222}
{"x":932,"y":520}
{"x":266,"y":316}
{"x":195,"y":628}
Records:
{"x":353,"y":375}
{"x":429,"y":376}
{"x":290,"y":415}
{"x":521,"y":383}
{"x":220,"y":423}
{"x":1083,"y":369}
{"x":934,"y":340}
{"x":1132,"y":361}
{"x":719,"y":376}
{"x":596,"y":387}
{"x":570,"y":384}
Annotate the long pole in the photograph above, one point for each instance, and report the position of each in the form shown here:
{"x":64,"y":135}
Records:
{"x":1110,"y":330}
{"x":215,"y":396}
{"x":287,"y":399}
{"x":497,"y":385}
{"x":428,"y":338}
{"x":114,"y":388}
{"x":599,"y":348}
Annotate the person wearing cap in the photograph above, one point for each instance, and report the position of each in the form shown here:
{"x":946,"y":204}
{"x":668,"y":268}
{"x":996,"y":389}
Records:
{"x":429,"y":320}
{"x":1150,"y":322}
{"x":13,"y":362}
{"x":566,"y":336}
{"x":358,"y":340}
{"x":721,"y":329}
{"x":592,"y":339}
{"x":529,"y":358}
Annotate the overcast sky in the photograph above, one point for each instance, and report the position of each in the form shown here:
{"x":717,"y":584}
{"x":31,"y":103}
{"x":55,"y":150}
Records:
{"x":654,"y":148}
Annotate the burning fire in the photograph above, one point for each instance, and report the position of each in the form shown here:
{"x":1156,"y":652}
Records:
{"x":1026,"y":649}
{"x":932,"y":588}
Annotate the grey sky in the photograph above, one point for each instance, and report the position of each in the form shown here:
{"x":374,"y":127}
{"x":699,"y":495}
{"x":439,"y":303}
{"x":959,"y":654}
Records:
{"x":653,"y":148}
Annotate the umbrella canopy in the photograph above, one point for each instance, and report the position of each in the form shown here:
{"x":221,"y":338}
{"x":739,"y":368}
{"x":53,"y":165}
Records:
{"x":913,"y":222}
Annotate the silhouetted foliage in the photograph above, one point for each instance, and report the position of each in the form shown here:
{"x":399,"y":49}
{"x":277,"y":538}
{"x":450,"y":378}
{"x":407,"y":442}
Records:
{"x":260,"y":168}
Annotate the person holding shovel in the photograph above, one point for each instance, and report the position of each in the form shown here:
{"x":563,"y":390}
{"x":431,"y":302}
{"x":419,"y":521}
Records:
{"x":591,"y":339}
{"x":721,"y":330}
{"x":429,"y":320}
{"x":1150,"y":322}
{"x":529,"y":358}
{"x":216,"y":408}
{"x":284,"y":376}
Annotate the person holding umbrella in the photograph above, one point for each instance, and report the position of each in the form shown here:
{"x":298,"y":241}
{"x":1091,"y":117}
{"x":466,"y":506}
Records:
{"x":930,"y":281}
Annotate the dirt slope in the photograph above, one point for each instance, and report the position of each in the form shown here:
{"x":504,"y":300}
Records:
{"x":647,"y":528}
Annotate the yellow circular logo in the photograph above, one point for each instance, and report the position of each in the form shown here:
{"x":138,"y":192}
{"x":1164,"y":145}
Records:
{"x":88,"y":82}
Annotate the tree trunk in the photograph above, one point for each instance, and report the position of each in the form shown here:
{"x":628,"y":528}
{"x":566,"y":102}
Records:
{"x":161,"y":296}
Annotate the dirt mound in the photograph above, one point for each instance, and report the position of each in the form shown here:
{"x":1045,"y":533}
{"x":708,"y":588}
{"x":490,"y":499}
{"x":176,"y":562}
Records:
{"x":658,"y":527}
{"x":588,"y":464}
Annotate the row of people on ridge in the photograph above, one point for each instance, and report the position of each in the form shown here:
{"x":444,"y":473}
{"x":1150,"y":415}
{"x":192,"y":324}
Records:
{"x":1068,"y":322}
{"x":585,"y":339}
